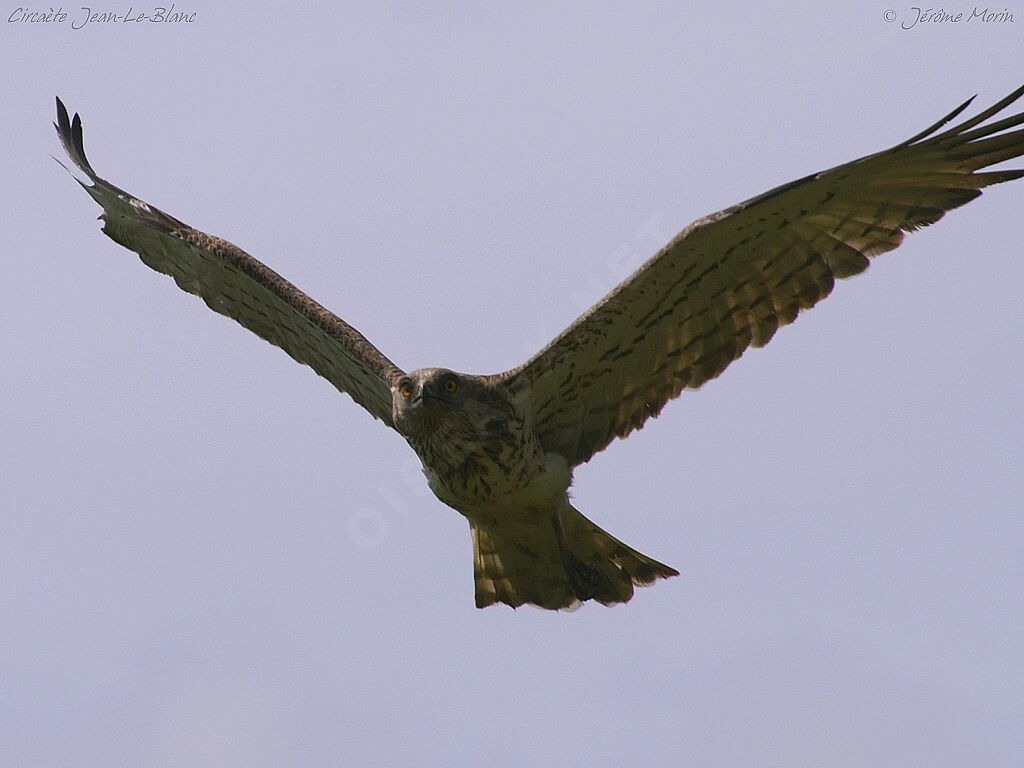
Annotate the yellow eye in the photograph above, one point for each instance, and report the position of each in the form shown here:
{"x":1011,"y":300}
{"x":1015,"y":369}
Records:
{"x":451,"y":386}
{"x":406,"y":391}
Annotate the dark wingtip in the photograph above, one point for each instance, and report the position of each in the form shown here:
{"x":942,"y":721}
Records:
{"x":63,"y":124}
{"x":963,"y":128}
{"x":76,"y":134}
{"x":939,"y":124}
{"x":966,"y":126}
{"x":70,"y":133}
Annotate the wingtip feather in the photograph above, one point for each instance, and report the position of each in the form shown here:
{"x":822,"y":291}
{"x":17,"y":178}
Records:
{"x":71,"y":173}
{"x":69,"y":130}
{"x":938,"y":124}
{"x":62,"y":116}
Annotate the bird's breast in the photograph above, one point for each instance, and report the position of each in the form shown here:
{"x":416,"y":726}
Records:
{"x":474,"y":469}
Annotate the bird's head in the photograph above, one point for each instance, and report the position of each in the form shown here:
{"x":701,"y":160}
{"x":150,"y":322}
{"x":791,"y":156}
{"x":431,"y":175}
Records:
{"x":424,"y":399}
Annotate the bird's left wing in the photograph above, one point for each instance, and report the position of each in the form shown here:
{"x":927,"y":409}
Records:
{"x":728,"y":281}
{"x":235,"y":284}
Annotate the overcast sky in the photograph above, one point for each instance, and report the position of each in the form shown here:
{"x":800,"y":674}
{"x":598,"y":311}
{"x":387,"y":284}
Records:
{"x":209,"y":557}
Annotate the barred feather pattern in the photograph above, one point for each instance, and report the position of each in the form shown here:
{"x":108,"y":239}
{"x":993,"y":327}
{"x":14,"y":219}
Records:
{"x":234,"y":284}
{"x":730,"y":280}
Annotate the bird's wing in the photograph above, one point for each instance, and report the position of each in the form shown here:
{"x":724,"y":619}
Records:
{"x":729,"y":280}
{"x":235,"y":284}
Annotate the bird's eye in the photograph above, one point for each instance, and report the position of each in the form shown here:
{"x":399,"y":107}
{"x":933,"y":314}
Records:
{"x":451,"y":386}
{"x":405,"y":390}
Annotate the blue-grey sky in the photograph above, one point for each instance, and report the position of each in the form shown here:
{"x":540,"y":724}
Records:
{"x":208,"y":557}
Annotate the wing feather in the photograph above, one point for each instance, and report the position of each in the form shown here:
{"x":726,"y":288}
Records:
{"x":729,"y":280}
{"x":233,"y":283}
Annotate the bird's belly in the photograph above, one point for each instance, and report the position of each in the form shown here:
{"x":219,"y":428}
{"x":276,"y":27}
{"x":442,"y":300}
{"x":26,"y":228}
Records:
{"x":537,"y":487}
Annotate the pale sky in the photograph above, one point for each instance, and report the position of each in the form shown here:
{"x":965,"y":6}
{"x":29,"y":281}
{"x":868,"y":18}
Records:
{"x":209,"y":557}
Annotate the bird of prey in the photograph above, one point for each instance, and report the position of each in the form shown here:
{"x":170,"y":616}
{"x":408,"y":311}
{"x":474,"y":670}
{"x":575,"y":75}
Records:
{"x":501,"y":448}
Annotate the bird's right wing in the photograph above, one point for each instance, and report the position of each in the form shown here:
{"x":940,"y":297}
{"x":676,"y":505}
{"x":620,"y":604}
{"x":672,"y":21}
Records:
{"x":729,"y":280}
{"x":235,"y":284}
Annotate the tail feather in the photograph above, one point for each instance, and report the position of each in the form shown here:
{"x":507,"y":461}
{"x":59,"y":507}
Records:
{"x":515,"y":566}
{"x":617,"y":566}
{"x":556,"y":566}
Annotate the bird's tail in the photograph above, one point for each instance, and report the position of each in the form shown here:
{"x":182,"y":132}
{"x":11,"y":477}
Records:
{"x":558,"y":567}
{"x":601,"y":567}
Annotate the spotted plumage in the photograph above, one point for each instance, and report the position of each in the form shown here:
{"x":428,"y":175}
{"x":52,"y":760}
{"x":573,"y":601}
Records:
{"x":501,"y":449}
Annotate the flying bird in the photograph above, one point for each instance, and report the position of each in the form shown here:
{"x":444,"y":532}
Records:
{"x":501,"y":448}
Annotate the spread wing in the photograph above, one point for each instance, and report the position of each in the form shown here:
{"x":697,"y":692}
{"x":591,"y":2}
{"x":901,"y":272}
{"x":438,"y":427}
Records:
{"x":729,"y":280}
{"x":235,"y":284}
